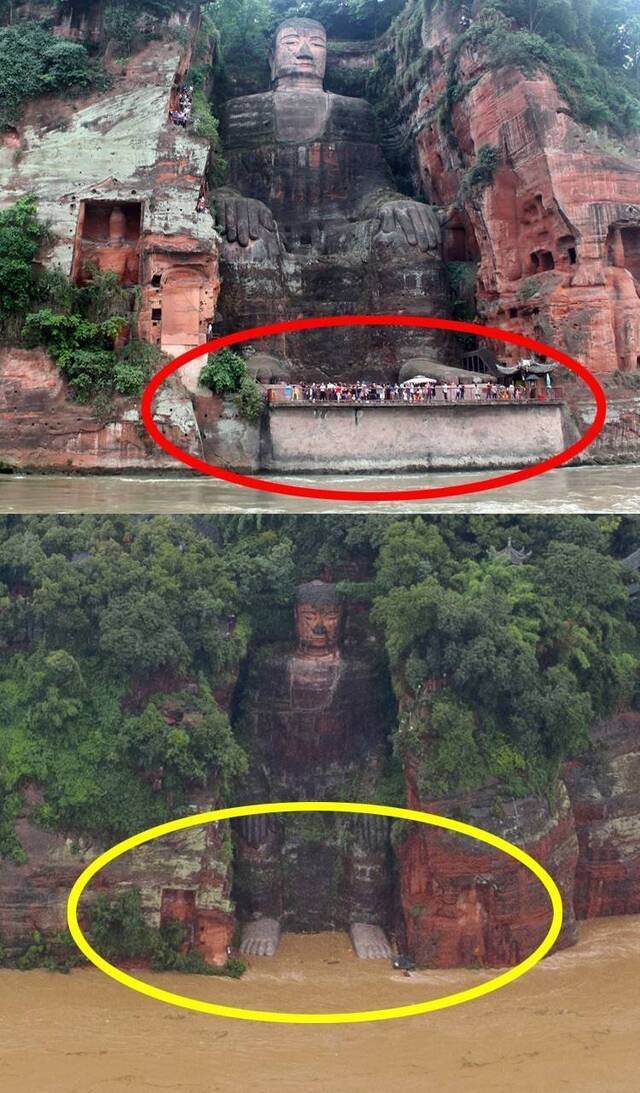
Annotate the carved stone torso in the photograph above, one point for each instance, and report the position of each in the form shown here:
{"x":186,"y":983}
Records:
{"x":308,"y":155}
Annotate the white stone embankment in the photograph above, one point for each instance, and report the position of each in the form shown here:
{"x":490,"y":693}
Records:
{"x":306,"y":438}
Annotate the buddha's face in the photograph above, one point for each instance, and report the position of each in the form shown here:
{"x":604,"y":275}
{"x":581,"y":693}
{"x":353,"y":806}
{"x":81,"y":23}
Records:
{"x":300,"y":55}
{"x":317,"y":627}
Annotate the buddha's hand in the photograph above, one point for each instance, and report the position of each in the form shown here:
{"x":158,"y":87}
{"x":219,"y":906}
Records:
{"x":244,"y":220}
{"x":406,"y":221}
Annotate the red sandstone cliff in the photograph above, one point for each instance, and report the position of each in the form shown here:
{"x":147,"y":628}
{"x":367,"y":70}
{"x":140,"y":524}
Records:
{"x":42,"y":427}
{"x":605,"y":797}
{"x":557,"y":232}
{"x":463,"y":902}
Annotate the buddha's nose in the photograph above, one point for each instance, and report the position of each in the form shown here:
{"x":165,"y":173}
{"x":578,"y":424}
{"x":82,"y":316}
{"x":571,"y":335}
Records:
{"x":320,"y":630}
{"x":304,"y":53}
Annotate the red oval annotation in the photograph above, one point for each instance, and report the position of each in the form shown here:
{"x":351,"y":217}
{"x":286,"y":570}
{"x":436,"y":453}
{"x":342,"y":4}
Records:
{"x":317,"y":493}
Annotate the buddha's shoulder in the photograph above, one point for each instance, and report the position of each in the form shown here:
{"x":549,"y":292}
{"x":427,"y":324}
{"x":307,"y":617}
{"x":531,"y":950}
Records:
{"x":255,"y":115}
{"x":247,"y":103}
{"x":351,"y":118}
{"x":252,"y":113}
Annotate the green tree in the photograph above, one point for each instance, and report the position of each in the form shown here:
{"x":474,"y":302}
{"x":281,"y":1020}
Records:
{"x":33,"y":61}
{"x":21,"y":237}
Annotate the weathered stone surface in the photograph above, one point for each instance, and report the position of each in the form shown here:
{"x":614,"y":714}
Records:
{"x":465,"y":903}
{"x":41,"y":427}
{"x":118,"y":183}
{"x":605,"y":795}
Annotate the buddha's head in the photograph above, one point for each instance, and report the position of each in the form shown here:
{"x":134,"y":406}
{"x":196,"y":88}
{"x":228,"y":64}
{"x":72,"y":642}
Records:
{"x":318,"y":617}
{"x":299,"y":57}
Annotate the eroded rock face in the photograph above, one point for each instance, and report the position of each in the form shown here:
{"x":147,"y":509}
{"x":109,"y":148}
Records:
{"x":557,"y":233}
{"x":465,"y":903}
{"x":185,"y":876}
{"x":605,"y":795}
{"x":43,"y":427}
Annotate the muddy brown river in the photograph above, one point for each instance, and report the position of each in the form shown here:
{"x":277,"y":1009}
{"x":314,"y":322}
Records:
{"x":571,"y":490}
{"x":572,"y":1025}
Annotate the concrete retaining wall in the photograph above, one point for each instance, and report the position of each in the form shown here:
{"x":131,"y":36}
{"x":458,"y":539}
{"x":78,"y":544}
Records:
{"x":300,"y":437}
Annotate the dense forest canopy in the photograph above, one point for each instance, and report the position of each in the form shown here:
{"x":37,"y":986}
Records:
{"x":118,"y":633}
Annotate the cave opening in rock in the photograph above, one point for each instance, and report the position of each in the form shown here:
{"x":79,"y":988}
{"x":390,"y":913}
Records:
{"x":567,"y":249}
{"x":631,"y":249}
{"x":623,"y":248}
{"x":540,"y":261}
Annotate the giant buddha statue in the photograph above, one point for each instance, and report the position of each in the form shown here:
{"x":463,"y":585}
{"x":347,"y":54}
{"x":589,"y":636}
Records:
{"x":315,"y":725}
{"x":312,"y":224}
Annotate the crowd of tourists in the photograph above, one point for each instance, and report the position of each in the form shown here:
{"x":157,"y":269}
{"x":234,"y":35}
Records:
{"x":442,"y":391}
{"x":182,"y":116}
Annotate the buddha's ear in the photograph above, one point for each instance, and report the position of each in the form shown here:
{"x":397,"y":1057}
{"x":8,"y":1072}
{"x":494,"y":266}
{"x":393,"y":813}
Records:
{"x":272,"y":63}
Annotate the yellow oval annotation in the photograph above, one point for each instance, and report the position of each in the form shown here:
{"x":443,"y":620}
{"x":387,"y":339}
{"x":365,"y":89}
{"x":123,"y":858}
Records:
{"x":278,"y":1017}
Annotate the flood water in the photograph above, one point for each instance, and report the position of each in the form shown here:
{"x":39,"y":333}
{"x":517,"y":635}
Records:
{"x":570,"y":1026}
{"x":568,"y":490}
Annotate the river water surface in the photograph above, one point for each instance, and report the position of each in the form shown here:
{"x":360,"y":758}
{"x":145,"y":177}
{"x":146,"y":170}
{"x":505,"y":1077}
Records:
{"x":568,"y":490}
{"x":572,"y":1025}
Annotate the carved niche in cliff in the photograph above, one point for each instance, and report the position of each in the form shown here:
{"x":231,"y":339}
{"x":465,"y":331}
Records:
{"x":108,"y":236}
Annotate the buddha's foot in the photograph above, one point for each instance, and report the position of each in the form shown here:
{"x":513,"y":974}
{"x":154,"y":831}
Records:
{"x":369,"y":942}
{"x":260,"y":938}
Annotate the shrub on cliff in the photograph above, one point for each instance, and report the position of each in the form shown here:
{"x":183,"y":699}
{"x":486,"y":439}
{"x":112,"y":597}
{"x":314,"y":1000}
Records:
{"x":482,"y":173}
{"x":223,"y":373}
{"x":33,"y":62}
{"x":82,"y":350}
{"x":249,"y":400}
{"x":226,"y":374}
